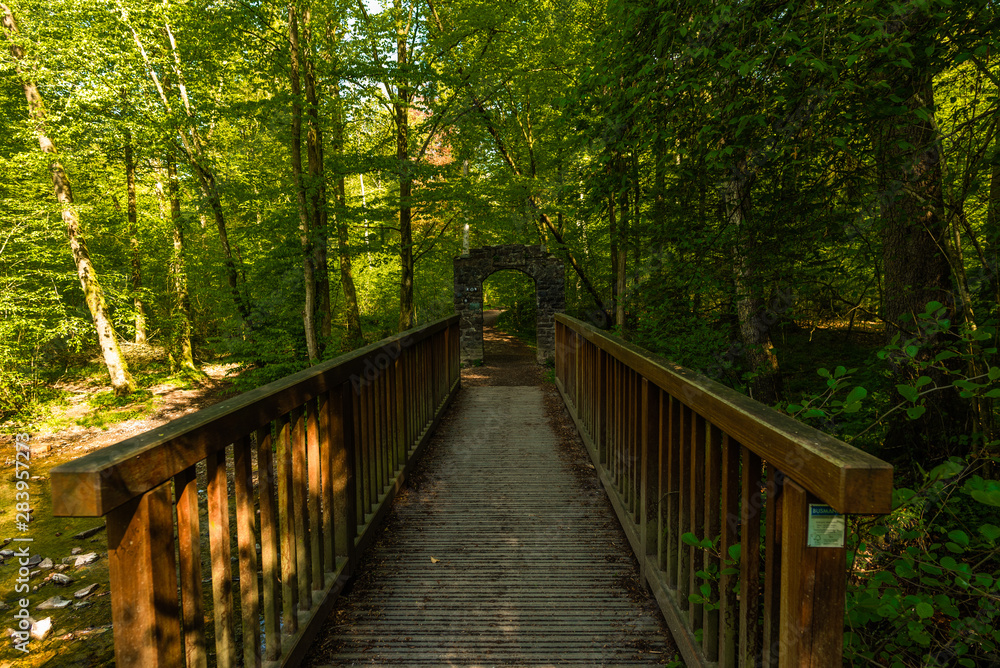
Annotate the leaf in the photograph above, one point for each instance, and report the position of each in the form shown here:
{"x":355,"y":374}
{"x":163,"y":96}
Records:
{"x":989,"y":498}
{"x":990,"y":531}
{"x":909,"y":393}
{"x":434,"y":561}
{"x":924,"y":610}
{"x":857,"y":394}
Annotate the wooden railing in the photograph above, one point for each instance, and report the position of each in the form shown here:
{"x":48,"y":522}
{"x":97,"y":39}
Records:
{"x":319,"y":454}
{"x":681,"y":455}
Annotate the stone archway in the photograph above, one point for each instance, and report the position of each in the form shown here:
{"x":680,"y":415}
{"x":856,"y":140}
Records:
{"x":550,"y":293}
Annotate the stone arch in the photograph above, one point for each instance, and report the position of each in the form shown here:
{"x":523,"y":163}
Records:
{"x":550,"y":293}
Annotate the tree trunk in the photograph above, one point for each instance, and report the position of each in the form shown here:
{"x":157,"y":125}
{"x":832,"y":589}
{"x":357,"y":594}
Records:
{"x":754,"y":323}
{"x":401,"y":106}
{"x":121,"y":379}
{"x":305,"y":231}
{"x":317,"y":188}
{"x":355,"y":336}
{"x":180,"y":310}
{"x":133,"y":233}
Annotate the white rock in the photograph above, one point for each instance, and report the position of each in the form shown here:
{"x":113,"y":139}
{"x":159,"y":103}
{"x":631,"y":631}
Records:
{"x":80,"y":605}
{"x":87,"y":591}
{"x":54,"y":603}
{"x":46,"y":564}
{"x":60,"y":579}
{"x":76,"y":550}
{"x":85,"y":559}
{"x":41,"y":630}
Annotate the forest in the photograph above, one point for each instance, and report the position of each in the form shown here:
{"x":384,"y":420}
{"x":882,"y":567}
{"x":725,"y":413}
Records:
{"x":799,"y":199}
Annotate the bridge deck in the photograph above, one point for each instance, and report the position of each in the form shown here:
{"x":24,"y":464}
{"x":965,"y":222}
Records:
{"x":503,"y":551}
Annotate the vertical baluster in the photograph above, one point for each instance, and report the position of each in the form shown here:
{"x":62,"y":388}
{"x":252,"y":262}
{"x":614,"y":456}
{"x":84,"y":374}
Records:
{"x":697,"y":508}
{"x":772,"y":564}
{"x":222,"y":568}
{"x":713,"y":524}
{"x":684,"y":507}
{"x":603,"y":406}
{"x":750,"y":506}
{"x":326,"y":454}
{"x":357,"y":445}
{"x":636,"y":428}
{"x":399,"y":412}
{"x":730,"y":508}
{"x":142,"y":566}
{"x":286,"y":530}
{"x":370,"y":460}
{"x":189,"y":550}
{"x":269,"y":556}
{"x":650,"y":477}
{"x":314,"y":496}
{"x":300,"y":498}
{"x":343,"y":472}
{"x":378,"y":436}
{"x":246,"y":526}
{"x":813,"y":589}
{"x":673,"y":493}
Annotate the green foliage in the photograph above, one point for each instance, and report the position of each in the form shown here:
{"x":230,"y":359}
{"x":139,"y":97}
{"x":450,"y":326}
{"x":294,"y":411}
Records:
{"x":926,"y":585}
{"x":107,"y":408}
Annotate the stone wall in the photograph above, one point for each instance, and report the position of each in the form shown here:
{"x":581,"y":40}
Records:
{"x":550,"y":292}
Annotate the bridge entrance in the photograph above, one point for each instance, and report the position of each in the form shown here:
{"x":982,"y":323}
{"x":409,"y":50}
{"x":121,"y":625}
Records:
{"x":550,"y":293}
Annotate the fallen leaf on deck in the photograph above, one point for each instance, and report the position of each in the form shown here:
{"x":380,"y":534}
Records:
{"x":434,"y":561}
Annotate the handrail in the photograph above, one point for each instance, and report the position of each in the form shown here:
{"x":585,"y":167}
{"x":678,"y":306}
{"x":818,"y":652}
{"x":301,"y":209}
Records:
{"x":330,"y":446}
{"x":680,"y":454}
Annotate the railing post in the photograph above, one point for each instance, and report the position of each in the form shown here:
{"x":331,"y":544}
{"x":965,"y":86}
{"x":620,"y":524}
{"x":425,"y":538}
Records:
{"x":144,"y":605}
{"x":813,"y":590}
{"x":650,"y":476}
{"x":343,"y":472}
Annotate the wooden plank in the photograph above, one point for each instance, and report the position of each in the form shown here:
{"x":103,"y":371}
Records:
{"x":300,"y":500}
{"x":144,"y":607}
{"x":324,"y":408}
{"x":246,"y":521}
{"x":772,"y":565}
{"x":189,"y":551}
{"x":314,"y":494}
{"x":342,"y":471}
{"x":269,"y":557}
{"x":848,"y":479}
{"x":712,"y":530}
{"x":729,"y":489}
{"x":650,"y":477}
{"x":751,"y":503}
{"x":286,"y":523}
{"x":684,"y":506}
{"x":813,"y":590}
{"x":673,"y":493}
{"x":92,"y":485}
{"x":222,"y":565}
{"x":696,"y":507}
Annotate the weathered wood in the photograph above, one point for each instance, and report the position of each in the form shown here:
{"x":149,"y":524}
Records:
{"x":729,"y":489}
{"x":650,"y":480}
{"x":247,"y":542}
{"x":342,"y":470}
{"x":286,"y":523}
{"x":772,"y":565}
{"x":92,"y":485}
{"x":300,"y":516}
{"x":269,"y":542}
{"x":326,"y":453}
{"x":697,"y":506}
{"x":673,"y":492}
{"x":144,"y":606}
{"x":222,"y":566}
{"x":189,"y":549}
{"x":314,"y":501}
{"x":712,"y":531}
{"x":751,"y":504}
{"x":848,"y":479}
{"x":813,"y":590}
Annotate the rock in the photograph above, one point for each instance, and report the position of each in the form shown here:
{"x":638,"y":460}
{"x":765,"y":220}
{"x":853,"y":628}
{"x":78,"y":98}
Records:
{"x":60,"y":580}
{"x":62,"y":567}
{"x":86,"y":591}
{"x":54,"y":603}
{"x":3,"y":606}
{"x":33,"y":574}
{"x":80,"y":605}
{"x":85,"y":559}
{"x":87,"y":533}
{"x":41,"y":630}
{"x":6,"y":542}
{"x":46,"y":564}
{"x":33,"y":560}
{"x":6,"y":553}
{"x":76,"y":550}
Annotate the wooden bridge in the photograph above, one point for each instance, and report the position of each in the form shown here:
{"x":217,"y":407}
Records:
{"x":298,"y":477}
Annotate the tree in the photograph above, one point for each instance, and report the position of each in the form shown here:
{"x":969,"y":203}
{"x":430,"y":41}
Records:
{"x":121,"y":379}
